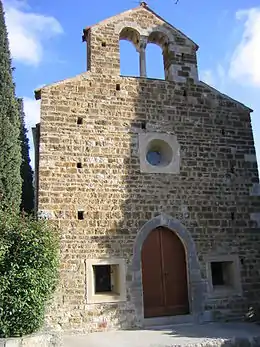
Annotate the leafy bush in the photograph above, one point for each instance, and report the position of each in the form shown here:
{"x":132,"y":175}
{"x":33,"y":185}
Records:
{"x":29,"y":252}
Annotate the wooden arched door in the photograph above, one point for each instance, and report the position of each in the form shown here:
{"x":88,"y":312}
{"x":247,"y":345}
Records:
{"x":164,"y":275}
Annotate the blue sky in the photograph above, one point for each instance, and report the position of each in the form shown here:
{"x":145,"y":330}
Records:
{"x":45,"y":42}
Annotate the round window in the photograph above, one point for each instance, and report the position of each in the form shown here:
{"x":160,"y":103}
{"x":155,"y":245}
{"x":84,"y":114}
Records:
{"x":154,"y":157}
{"x":159,"y":153}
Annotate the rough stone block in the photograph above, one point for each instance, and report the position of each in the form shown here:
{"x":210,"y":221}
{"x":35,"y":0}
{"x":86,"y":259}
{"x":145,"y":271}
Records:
{"x":255,"y":217}
{"x":255,"y":190}
{"x":250,"y":158}
{"x":39,"y":340}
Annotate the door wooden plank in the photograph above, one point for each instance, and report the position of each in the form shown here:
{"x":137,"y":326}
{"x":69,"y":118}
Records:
{"x":175,"y":274}
{"x":153,"y":296}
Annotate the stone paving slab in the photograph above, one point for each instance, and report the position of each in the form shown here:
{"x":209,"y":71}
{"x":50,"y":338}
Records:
{"x":206,"y":335}
{"x":188,"y":335}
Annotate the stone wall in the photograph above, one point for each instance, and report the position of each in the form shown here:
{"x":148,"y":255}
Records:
{"x":46,"y":339}
{"x":211,"y":196}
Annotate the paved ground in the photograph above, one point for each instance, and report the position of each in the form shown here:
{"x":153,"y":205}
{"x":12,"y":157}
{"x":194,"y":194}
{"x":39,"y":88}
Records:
{"x":214,"y":334}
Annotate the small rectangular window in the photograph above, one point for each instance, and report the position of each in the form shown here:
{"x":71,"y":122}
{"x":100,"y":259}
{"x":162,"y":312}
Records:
{"x":222,"y":273}
{"x":106,"y":280}
{"x":117,"y":86}
{"x":80,"y":121}
{"x":143,"y":125}
{"x":102,"y":276}
{"x":79,"y":165}
{"x":217,"y":274}
{"x":80,"y":215}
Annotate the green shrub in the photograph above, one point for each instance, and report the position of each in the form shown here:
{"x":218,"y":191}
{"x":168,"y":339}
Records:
{"x":29,"y":252}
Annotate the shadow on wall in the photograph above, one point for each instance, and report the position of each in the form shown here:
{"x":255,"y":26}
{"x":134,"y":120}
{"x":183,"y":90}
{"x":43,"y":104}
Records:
{"x":131,"y":198}
{"x":138,"y":197}
{"x":128,"y":197}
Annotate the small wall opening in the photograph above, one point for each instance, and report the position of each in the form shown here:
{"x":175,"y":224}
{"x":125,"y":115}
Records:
{"x":156,"y":49}
{"x":222,"y":274}
{"x":159,"y":153}
{"x":79,"y":120}
{"x":129,"y":57}
{"x":154,"y":62}
{"x":105,"y":280}
{"x":102,"y":275}
{"x":80,"y":215}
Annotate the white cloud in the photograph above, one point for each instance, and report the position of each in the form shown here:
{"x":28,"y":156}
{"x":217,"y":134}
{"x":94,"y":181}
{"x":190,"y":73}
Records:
{"x":27,"y":31}
{"x":32,"y":116}
{"x":241,"y":64}
{"x":244,"y":65}
{"x":207,"y":76}
{"x":215,"y":77}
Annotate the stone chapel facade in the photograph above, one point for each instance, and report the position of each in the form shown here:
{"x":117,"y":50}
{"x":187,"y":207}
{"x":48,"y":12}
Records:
{"x":153,"y":184}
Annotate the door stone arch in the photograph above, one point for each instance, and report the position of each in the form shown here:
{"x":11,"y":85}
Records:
{"x":196,"y":285}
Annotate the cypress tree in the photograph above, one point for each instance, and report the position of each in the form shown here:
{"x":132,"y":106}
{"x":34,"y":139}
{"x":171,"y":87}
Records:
{"x":10,"y":148}
{"x":27,"y":202}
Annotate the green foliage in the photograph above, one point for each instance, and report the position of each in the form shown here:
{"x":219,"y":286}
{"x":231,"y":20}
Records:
{"x":10,"y":153}
{"x":26,"y":170}
{"x":29,"y":253}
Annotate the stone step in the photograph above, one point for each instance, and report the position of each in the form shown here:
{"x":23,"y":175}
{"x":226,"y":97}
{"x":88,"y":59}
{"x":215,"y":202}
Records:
{"x":168,"y":321}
